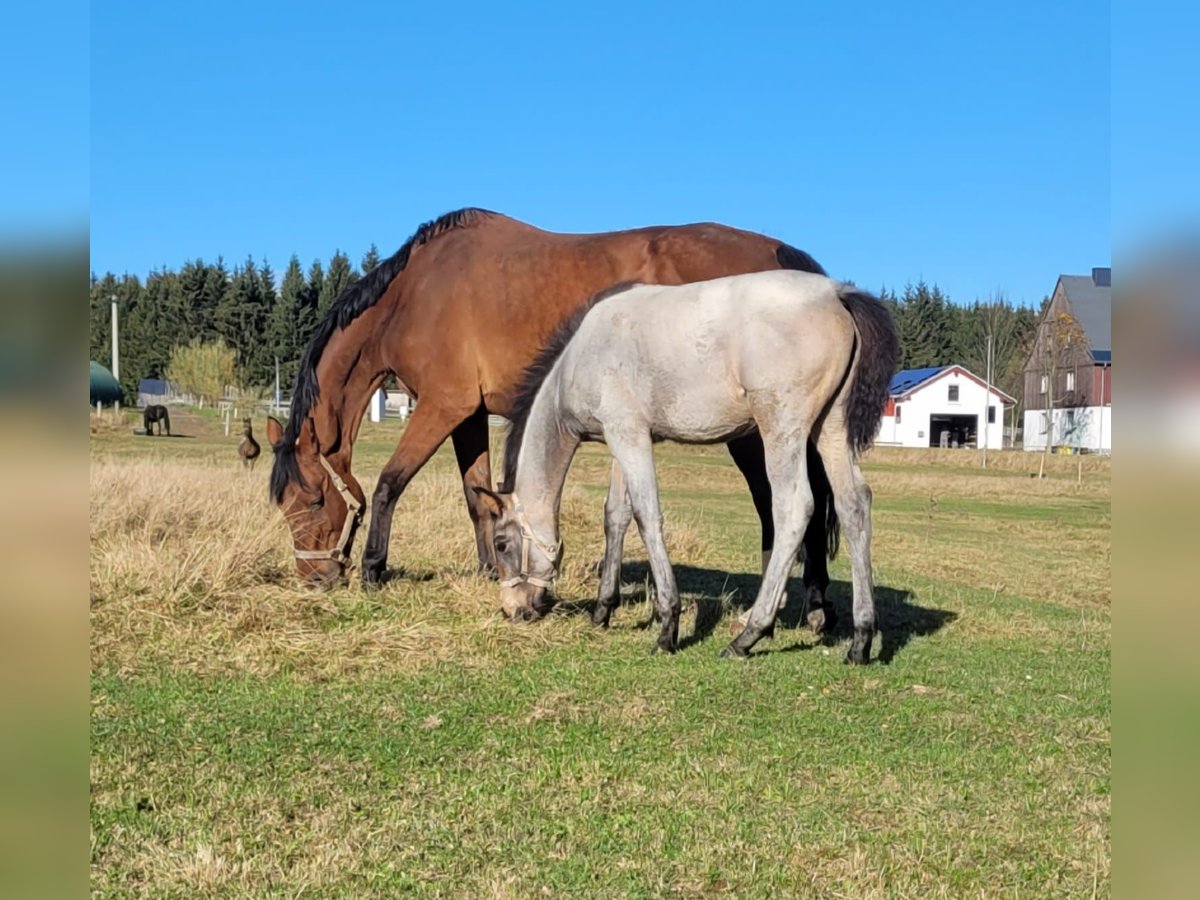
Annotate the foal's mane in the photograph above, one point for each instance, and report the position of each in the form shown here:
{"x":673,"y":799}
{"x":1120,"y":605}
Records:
{"x":356,"y":299}
{"x":535,"y":375}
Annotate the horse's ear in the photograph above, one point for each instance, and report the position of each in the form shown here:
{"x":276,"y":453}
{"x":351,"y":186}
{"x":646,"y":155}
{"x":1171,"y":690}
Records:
{"x":492,"y":502}
{"x":274,"y":431}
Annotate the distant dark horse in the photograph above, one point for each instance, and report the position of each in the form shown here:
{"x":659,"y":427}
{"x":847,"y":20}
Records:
{"x":248,"y":449}
{"x":156,"y":413}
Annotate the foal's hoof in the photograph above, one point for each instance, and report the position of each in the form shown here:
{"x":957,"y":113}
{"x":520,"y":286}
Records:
{"x":601,"y":615}
{"x":733,"y":651}
{"x":668,"y":648}
{"x":859,"y":653}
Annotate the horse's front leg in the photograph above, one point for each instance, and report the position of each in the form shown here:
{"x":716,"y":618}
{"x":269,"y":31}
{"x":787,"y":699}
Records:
{"x":427,"y":428}
{"x":474,"y":464}
{"x":635,"y":454}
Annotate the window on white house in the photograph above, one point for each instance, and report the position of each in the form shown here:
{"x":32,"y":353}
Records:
{"x":991,"y":415}
{"x":1070,"y":381}
{"x":897,"y":413}
{"x":1045,"y":383}
{"x":953,"y":393}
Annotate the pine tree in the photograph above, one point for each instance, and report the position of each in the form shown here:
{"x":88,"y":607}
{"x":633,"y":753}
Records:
{"x":316,"y":287}
{"x":370,"y":259}
{"x":925,"y":325}
{"x":293,"y":318}
{"x":339,"y":276}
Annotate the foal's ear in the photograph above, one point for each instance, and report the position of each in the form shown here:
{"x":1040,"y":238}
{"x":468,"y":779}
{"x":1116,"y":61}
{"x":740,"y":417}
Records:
{"x":493,"y":503}
{"x":274,"y":431}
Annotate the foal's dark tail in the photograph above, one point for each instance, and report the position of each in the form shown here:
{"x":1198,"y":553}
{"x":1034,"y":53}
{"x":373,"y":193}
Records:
{"x":878,"y":352}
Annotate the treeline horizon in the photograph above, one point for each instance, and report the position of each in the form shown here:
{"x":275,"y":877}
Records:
{"x":261,"y":319}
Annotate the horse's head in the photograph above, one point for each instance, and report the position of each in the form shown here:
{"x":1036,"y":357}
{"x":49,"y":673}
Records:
{"x":321,"y":502}
{"x":526,"y":563}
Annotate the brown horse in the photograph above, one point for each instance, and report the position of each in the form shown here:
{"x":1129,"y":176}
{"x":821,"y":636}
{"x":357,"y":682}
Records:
{"x":457,"y":315}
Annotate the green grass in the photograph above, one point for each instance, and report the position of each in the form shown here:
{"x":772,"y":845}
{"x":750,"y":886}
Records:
{"x":555,"y":760}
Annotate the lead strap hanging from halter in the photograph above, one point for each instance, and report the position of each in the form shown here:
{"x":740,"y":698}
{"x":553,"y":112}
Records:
{"x":528,"y":539}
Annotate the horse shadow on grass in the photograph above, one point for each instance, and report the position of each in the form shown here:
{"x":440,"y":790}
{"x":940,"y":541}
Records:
{"x":898,"y":619}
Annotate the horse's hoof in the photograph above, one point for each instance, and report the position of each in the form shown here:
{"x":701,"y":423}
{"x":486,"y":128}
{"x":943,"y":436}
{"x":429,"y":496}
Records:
{"x":601,"y":616}
{"x":667,"y":648}
{"x":817,"y":621}
{"x":859,"y":653}
{"x":733,"y":651}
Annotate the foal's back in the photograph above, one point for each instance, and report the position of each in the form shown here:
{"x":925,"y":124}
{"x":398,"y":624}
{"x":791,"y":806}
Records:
{"x":691,"y":364}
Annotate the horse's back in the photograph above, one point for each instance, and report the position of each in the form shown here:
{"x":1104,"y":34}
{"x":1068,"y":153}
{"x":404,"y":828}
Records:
{"x":691,"y":359}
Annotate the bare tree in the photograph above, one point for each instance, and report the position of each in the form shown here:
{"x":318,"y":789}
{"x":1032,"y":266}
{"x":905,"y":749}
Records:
{"x":1060,"y":342}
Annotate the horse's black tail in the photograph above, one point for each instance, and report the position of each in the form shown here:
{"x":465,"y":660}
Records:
{"x":166,"y":420}
{"x":878,"y":352}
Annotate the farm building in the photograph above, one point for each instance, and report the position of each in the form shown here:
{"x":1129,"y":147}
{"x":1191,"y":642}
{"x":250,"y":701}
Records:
{"x":941,"y":406}
{"x":1068,"y":376}
{"x":153,"y":391}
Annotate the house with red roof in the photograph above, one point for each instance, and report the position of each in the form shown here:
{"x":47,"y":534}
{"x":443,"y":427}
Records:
{"x":943,"y":406}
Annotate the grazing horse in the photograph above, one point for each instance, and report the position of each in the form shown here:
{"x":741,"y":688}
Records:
{"x":793,"y":355}
{"x":457,"y":314}
{"x":248,"y":449}
{"x":156,"y":413}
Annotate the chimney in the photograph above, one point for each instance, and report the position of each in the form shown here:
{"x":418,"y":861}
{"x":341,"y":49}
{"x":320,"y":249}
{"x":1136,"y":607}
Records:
{"x":1102,"y":276}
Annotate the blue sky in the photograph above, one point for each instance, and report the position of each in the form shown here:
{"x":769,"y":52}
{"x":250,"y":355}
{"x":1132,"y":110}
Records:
{"x":967,"y":144}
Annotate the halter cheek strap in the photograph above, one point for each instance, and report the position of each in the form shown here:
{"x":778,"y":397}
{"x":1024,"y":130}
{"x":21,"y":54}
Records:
{"x":529,"y":539}
{"x":337,"y":553}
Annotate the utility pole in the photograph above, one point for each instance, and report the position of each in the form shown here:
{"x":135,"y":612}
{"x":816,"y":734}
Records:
{"x":987,"y":401}
{"x":116,"y":361}
{"x":116,"y":356}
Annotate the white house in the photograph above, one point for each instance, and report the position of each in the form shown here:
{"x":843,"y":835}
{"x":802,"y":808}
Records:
{"x":942,"y":406}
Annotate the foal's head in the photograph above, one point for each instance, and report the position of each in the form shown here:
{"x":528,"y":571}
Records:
{"x":527,"y":563}
{"x":247,"y":430}
{"x":322,"y":507}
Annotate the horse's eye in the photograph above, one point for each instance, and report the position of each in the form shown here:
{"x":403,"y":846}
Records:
{"x":317,"y":504}
{"x":501,"y":545}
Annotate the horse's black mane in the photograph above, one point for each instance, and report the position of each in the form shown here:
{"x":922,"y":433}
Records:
{"x":353,"y":302}
{"x":533,"y":377}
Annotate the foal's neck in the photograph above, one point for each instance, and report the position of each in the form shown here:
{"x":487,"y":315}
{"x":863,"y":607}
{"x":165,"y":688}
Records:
{"x":547,"y":449}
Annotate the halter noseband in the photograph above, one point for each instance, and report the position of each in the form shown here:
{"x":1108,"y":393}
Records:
{"x":337,"y":553}
{"x":528,"y":538}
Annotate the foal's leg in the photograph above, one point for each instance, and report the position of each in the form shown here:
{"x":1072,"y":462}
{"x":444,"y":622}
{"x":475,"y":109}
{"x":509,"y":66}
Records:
{"x":635,"y":455}
{"x":471,"y":450}
{"x":618,"y":511}
{"x":853,"y":499}
{"x":747,"y":453}
{"x":792,"y":506}
{"x":427,"y":428}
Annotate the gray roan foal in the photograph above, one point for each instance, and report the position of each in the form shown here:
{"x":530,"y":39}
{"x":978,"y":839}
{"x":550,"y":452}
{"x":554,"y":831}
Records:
{"x":790,"y":353}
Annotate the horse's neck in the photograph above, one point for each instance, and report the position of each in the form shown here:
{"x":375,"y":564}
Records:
{"x":347,"y":380}
{"x":546,"y":453}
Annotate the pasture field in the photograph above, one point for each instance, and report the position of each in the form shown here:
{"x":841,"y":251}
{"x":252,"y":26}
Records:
{"x":252,"y":738}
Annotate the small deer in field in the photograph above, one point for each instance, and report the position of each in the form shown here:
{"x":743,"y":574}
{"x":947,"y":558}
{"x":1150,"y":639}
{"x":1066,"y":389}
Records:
{"x":248,"y":449}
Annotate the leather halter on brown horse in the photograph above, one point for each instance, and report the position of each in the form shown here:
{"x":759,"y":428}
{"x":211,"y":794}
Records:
{"x":457,"y":315}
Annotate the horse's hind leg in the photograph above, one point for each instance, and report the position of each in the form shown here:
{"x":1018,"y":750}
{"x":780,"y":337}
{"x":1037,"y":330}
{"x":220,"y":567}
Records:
{"x":474,"y":464}
{"x":792,"y":506}
{"x":618,"y":512}
{"x":852,"y":498}
{"x":635,"y":455}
